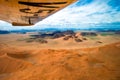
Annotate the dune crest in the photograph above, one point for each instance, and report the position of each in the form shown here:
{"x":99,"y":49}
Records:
{"x":95,"y":63}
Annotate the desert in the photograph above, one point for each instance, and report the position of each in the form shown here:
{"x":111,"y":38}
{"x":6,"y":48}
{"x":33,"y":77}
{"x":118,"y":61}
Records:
{"x":61,"y":55}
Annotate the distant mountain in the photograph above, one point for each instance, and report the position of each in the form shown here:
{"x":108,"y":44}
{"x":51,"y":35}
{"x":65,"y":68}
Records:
{"x":4,"y":32}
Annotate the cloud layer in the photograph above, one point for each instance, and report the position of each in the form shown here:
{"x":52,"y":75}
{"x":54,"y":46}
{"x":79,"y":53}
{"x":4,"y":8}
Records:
{"x":86,"y":11}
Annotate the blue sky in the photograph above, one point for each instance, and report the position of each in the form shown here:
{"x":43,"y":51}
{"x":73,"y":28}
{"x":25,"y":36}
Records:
{"x":82,"y":14}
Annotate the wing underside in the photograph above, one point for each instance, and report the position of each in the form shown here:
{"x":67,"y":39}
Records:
{"x":29,"y":12}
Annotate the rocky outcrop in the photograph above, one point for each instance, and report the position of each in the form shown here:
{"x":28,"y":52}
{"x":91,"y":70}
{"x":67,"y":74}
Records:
{"x":78,"y":40}
{"x":88,"y":34}
{"x":84,"y":38}
{"x":54,"y":35}
{"x":118,"y":32}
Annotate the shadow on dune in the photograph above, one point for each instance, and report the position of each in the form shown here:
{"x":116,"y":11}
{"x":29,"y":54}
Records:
{"x":98,"y":63}
{"x":9,"y":64}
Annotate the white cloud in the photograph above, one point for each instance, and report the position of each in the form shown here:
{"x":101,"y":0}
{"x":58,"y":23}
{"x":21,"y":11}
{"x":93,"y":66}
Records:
{"x":83,"y":14}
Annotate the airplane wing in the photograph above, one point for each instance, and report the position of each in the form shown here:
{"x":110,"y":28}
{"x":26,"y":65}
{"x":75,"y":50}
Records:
{"x":29,"y":12}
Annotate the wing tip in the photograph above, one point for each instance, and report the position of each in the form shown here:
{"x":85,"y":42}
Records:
{"x":21,"y":24}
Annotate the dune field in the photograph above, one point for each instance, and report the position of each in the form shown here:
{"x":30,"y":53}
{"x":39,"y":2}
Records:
{"x":76,"y":57}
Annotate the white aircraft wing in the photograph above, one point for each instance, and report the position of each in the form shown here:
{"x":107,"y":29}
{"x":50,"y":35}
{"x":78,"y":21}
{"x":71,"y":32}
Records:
{"x":29,"y":12}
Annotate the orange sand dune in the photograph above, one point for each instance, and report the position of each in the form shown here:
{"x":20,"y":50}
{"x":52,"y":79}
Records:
{"x":97,"y":63}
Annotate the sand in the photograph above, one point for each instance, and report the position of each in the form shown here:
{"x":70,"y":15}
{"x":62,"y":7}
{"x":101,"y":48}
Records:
{"x":42,"y":62}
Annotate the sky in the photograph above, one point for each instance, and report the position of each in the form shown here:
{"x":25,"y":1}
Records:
{"x":82,"y":14}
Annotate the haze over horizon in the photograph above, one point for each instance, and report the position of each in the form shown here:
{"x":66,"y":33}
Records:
{"x":82,"y":14}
